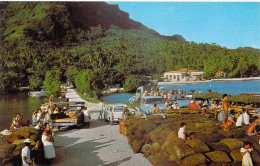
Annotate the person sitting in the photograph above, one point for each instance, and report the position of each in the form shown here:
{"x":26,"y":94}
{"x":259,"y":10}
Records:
{"x":34,"y":119}
{"x":176,"y":106}
{"x":12,"y":127}
{"x":16,"y":122}
{"x":155,"y":109}
{"x":245,"y":152}
{"x":181,"y":132}
{"x":243,"y":118}
{"x":214,"y":104}
{"x":166,"y":106}
{"x":171,"y":108}
{"x":193,"y":105}
{"x":38,"y":125}
{"x":230,"y":119}
{"x":252,"y":129}
{"x":204,"y":111}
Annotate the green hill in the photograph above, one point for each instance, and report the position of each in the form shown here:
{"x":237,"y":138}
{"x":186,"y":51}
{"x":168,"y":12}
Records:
{"x":94,"y":45}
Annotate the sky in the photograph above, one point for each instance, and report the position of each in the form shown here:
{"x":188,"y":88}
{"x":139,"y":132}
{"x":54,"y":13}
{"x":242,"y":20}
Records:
{"x":228,"y":24}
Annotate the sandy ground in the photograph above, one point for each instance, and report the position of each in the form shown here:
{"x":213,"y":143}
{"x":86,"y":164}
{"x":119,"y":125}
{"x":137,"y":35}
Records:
{"x":99,"y":144}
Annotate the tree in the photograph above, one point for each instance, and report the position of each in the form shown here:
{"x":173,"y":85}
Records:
{"x":52,"y":82}
{"x":132,"y":82}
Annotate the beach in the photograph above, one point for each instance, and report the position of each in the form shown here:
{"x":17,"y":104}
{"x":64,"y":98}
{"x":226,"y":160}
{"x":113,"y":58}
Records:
{"x":100,"y":144}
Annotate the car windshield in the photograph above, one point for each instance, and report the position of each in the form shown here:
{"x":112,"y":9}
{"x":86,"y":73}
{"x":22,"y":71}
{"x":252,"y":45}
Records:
{"x":119,"y":109}
{"x":154,"y":101}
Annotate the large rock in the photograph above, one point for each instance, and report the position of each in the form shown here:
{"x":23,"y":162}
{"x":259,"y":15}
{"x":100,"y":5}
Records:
{"x":6,"y":151}
{"x":155,"y":148}
{"x":176,"y":148}
{"x":206,"y":138}
{"x":238,"y":133}
{"x":255,"y":157}
{"x":236,"y":155}
{"x":220,"y":147}
{"x":22,"y":133}
{"x":146,"y":150}
{"x":218,"y":157}
{"x":193,"y":160}
{"x":197,"y":145}
{"x":227,"y":134}
{"x":232,"y":143}
{"x":18,"y":150}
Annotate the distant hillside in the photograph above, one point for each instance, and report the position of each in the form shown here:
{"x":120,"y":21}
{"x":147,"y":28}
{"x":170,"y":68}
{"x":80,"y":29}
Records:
{"x":87,"y":14}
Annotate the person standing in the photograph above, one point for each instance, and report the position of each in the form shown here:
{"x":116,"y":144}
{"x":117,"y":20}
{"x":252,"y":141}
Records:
{"x":49,"y":152}
{"x":86,"y":116}
{"x":101,"y":107}
{"x":26,"y":153}
{"x":225,"y":112}
{"x":245,"y":152}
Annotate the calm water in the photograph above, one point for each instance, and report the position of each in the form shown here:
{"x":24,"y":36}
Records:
{"x":22,"y":103}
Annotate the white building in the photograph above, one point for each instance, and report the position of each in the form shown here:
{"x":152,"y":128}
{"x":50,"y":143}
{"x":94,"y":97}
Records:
{"x":183,"y":75}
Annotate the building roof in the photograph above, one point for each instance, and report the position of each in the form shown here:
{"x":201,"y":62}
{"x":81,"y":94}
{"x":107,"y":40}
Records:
{"x":183,"y":70}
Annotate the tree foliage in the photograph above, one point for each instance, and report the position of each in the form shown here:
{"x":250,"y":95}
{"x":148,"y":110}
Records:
{"x":36,"y":37}
{"x":51,"y":82}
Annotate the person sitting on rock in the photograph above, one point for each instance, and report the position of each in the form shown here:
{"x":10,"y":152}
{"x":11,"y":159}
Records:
{"x":193,"y":105}
{"x":245,"y":152}
{"x":252,"y":129}
{"x":243,"y":118}
{"x":214,"y":104}
{"x":181,"y":132}
{"x":171,"y":108}
{"x":12,"y":127}
{"x":231,"y":117}
{"x":176,"y":106}
{"x":155,"y":109}
{"x":204,"y":111}
{"x":38,"y":126}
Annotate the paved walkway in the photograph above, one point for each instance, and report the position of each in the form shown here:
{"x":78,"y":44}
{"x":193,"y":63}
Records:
{"x":100,"y":144}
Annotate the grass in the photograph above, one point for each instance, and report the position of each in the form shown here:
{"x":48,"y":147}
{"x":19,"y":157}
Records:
{"x":88,"y":99}
{"x":132,"y":105}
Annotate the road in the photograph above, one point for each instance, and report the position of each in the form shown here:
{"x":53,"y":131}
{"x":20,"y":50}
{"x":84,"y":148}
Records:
{"x":99,"y":144}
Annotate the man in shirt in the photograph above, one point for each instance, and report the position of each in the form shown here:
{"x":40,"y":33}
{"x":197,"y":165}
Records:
{"x":181,"y":132}
{"x":245,"y":152}
{"x":101,"y":106}
{"x":26,"y":156}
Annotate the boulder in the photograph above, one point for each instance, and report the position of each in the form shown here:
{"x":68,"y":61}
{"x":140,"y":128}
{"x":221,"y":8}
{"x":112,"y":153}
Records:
{"x":18,"y":150}
{"x":137,"y":146}
{"x":232,"y":143}
{"x":226,"y":134}
{"x":146,"y":150}
{"x":218,"y":157}
{"x":206,"y":138}
{"x":6,"y":151}
{"x":255,"y":157}
{"x":197,"y":145}
{"x":34,"y":137}
{"x":155,"y":148}
{"x":236,"y":155}
{"x":176,"y":148}
{"x":19,"y":141}
{"x":238,"y":133}
{"x":220,"y":147}
{"x":193,"y":160}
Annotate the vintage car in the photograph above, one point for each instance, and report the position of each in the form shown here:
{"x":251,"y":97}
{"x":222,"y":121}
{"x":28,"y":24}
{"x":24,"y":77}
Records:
{"x":114,"y":112}
{"x":70,"y":115}
{"x":147,"y":103}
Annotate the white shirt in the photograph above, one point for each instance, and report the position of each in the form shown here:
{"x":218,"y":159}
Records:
{"x":181,"y":132}
{"x":37,"y":127}
{"x":239,"y":121}
{"x":247,"y":160}
{"x":246,"y":118}
{"x":26,"y":153}
{"x":101,"y":105}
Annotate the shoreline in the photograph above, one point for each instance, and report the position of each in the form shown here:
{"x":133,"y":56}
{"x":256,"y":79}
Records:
{"x":212,"y":80}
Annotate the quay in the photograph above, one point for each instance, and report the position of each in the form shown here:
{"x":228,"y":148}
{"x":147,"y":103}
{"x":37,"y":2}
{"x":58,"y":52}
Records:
{"x":99,"y":144}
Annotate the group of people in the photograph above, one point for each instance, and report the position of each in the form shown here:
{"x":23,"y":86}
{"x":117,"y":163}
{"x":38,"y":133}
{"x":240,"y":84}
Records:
{"x":17,"y":122}
{"x":245,"y":150}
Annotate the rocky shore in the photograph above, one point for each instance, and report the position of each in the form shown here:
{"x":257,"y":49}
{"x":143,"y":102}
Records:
{"x":157,"y":139}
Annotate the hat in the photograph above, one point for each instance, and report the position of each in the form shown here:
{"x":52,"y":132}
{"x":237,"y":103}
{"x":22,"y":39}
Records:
{"x":27,"y":140}
{"x":191,"y":101}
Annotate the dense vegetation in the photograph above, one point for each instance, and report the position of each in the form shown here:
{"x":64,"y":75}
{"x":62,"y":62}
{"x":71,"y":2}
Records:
{"x":38,"y":38}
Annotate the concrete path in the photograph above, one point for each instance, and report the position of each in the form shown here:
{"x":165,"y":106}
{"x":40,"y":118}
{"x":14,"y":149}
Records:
{"x":100,"y":144}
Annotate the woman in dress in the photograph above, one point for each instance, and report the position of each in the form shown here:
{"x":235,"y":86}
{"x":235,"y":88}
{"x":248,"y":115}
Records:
{"x":49,"y":152}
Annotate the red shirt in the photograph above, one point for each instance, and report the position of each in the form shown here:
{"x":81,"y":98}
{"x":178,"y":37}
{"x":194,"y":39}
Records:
{"x":193,"y":106}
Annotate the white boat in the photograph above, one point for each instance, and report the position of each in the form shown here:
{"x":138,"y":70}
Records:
{"x":38,"y":93}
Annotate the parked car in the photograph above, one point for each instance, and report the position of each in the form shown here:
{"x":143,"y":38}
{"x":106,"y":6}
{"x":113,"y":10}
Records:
{"x":147,"y":103}
{"x":114,"y":112}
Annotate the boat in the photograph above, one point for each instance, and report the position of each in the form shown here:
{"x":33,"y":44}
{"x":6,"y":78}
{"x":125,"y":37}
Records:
{"x":38,"y":93}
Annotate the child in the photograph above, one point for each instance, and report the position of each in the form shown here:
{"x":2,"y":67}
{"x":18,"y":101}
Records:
{"x":181,"y":132}
{"x":245,"y":152}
